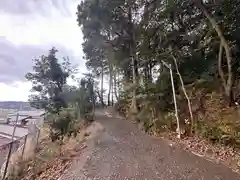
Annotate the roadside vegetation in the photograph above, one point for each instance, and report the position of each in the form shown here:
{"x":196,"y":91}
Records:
{"x":68,"y":112}
{"x":173,"y":65}
{"x":64,"y":105}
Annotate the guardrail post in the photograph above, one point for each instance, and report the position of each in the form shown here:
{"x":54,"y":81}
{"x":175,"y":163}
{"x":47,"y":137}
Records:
{"x":35,"y":152}
{"x":15,"y":127}
{"x":7,"y":161}
{"x":24,"y":145}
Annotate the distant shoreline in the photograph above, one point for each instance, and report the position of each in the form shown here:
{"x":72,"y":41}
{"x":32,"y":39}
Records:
{"x":15,"y":105}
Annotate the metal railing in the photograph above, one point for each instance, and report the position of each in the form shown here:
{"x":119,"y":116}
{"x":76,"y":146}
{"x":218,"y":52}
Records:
{"x":15,"y":146}
{"x":11,"y":148}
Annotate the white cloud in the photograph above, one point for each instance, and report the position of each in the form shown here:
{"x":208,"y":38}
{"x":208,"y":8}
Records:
{"x":34,"y":26}
{"x":37,"y":29}
{"x":17,"y":91}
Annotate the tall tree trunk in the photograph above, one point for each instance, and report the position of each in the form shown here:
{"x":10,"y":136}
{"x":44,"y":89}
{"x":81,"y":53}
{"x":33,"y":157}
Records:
{"x":150,"y":71}
{"x":118,"y":82}
{"x":102,"y":74}
{"x":115,"y":84}
{"x":186,"y":95}
{"x":145,"y":71}
{"x":112,"y":88}
{"x":134,"y":99}
{"x":93,"y":101}
{"x":229,"y":82}
{"x":132,"y":50}
{"x":135,"y":63}
{"x":110,"y":85}
{"x":174,"y":97}
{"x":220,"y":70}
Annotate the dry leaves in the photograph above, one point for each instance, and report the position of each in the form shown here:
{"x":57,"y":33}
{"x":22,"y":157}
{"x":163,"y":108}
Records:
{"x":213,"y":152}
{"x":52,"y":160}
{"x":49,"y":171}
{"x":52,"y":169}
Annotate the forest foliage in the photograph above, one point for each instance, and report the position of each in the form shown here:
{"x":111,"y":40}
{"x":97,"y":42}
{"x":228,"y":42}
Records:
{"x":129,"y":41}
{"x":64,"y":105}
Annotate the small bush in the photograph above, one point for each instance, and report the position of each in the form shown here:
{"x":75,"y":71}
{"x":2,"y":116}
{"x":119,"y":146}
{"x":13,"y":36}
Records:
{"x":63,"y":124}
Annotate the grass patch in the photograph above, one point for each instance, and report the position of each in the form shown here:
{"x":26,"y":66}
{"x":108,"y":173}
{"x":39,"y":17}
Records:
{"x":51,"y":159}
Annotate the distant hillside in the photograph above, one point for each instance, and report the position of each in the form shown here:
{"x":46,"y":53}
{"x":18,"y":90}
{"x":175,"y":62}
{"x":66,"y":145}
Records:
{"x":18,"y":105}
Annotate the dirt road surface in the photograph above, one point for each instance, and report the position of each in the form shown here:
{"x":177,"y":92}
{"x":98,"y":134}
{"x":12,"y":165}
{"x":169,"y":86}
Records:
{"x":123,"y":152}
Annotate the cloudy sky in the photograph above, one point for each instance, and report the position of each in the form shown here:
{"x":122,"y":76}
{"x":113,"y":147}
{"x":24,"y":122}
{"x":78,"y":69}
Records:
{"x":29,"y":28}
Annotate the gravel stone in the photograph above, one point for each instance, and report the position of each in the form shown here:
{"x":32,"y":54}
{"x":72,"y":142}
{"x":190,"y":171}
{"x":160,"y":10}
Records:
{"x":123,"y":152}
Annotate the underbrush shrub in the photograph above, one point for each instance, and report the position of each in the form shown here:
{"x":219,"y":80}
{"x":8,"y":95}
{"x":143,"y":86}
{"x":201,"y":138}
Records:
{"x":63,"y":124}
{"x":144,"y":118}
{"x":165,"y":123}
{"x":88,"y":118}
{"x":121,"y":107}
{"x":213,"y":119}
{"x":216,"y":134}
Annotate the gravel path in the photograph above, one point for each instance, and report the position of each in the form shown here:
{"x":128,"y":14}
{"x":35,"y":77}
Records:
{"x":123,"y":152}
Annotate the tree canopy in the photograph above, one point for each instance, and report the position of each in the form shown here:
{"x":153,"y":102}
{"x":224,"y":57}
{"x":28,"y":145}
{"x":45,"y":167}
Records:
{"x":48,"y":79}
{"x":128,"y":40}
{"x":64,"y":104}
